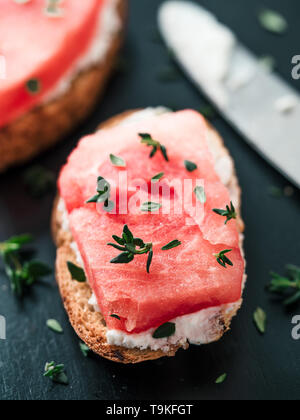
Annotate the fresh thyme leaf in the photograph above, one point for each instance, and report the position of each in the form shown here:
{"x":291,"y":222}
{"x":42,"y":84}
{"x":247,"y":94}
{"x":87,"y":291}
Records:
{"x":53,"y":10}
{"x":288,"y":287}
{"x":120,"y":241}
{"x":21,"y":272}
{"x":156,"y":145}
{"x":77,"y":273}
{"x":54,"y":325}
{"x":164,"y":152}
{"x":124,"y":258}
{"x":200,"y":194}
{"x":157,"y":177}
{"x":171,"y":245}
{"x":292,"y":300}
{"x":149,"y":260}
{"x":115,"y":316}
{"x":33,"y":86}
{"x":117,"y":161}
{"x":26,"y":238}
{"x":56,"y":373}
{"x":260,"y":319}
{"x":85,"y":350}
{"x":139,"y":242}
{"x":222,"y":259}
{"x":127,"y":235}
{"x":229,"y":213}
{"x":150,"y":207}
{"x":164,"y":331}
{"x":272,"y":21}
{"x":39,"y":181}
{"x":93,"y":199}
{"x":103,"y":195}
{"x":131,"y":247}
{"x":221,"y":379}
{"x":190,"y":166}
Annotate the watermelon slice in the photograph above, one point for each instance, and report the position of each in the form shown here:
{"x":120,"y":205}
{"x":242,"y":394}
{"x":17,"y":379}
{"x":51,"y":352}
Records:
{"x":38,"y":47}
{"x":183,"y":280}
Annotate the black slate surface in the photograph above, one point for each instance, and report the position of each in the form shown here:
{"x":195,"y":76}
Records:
{"x":258,"y":367}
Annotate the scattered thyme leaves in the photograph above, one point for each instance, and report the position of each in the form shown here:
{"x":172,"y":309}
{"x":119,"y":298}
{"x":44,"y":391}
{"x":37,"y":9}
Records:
{"x":85,"y":350}
{"x":260,"y":320}
{"x":39,"y":181}
{"x":164,"y":331}
{"x":53,"y":10}
{"x":117,"y":161}
{"x":171,"y":245}
{"x":131,"y":247}
{"x":190,"y":166}
{"x":156,"y":145}
{"x":22,"y":272}
{"x":200,"y":194}
{"x":115,"y":316}
{"x":222,"y":259}
{"x":55,"y":326}
{"x":288,"y":287}
{"x":56,"y":373}
{"x":103,"y":195}
{"x":221,"y":379}
{"x":272,"y":21}
{"x":229,"y":213}
{"x":150,"y":207}
{"x":33,"y":86}
{"x":77,"y":273}
{"x":157,"y":177}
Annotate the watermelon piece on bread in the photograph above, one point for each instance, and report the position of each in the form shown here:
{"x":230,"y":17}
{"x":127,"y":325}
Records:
{"x":194,"y":286}
{"x":56,"y":66}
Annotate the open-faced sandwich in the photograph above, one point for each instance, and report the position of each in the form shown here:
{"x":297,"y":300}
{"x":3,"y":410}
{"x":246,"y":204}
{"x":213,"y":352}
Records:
{"x":55,"y":59}
{"x":149,"y":236}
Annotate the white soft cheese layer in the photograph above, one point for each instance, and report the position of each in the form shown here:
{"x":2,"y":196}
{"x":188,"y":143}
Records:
{"x":109,"y":25}
{"x":194,"y":328}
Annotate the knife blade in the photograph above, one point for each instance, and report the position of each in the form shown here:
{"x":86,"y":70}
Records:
{"x":259,"y":104}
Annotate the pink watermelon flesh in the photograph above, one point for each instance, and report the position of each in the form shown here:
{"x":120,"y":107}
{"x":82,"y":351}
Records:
{"x":36,"y":46}
{"x":182,"y":280}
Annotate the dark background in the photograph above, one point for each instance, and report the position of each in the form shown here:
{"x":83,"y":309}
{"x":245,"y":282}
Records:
{"x":258,"y":367}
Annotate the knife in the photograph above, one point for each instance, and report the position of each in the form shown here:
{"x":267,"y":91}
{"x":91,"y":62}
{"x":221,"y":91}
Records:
{"x":256,"y":102}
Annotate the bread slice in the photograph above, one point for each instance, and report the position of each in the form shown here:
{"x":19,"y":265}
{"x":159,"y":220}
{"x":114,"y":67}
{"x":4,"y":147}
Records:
{"x":89,"y":324}
{"x":46,"y":124}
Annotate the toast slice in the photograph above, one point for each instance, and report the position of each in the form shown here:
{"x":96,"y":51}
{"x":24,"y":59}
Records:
{"x":89,"y":324}
{"x":48,"y":123}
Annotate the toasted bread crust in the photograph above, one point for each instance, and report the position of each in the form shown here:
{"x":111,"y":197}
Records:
{"x":89,"y":324}
{"x":46,"y":124}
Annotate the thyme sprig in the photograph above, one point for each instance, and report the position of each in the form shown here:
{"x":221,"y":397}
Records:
{"x":222,"y":259}
{"x":56,"y":373}
{"x":229,"y":213}
{"x":156,"y":145}
{"x":21,"y":272}
{"x":103,"y":194}
{"x":288,"y":287}
{"x":130,"y":247}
